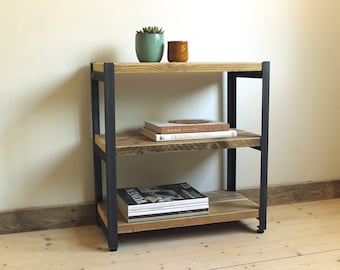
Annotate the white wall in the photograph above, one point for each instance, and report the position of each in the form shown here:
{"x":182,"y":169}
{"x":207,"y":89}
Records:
{"x":45,"y":51}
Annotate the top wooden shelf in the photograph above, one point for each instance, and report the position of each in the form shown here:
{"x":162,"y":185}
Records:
{"x":179,"y":67}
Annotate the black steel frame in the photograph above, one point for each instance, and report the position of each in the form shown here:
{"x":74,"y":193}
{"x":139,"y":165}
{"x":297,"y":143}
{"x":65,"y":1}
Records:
{"x":231,"y":153}
{"x":109,"y":157}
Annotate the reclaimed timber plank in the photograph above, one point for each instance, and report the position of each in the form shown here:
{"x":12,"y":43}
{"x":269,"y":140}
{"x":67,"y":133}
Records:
{"x":132,"y":143}
{"x":223,"y":207}
{"x":180,"y":67}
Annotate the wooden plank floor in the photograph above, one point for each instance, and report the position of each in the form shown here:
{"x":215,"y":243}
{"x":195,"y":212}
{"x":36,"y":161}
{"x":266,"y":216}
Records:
{"x":299,"y":236}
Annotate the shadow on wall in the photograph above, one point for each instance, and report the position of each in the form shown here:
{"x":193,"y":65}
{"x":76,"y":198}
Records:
{"x":201,"y":169}
{"x":167,"y":96}
{"x":48,"y":147}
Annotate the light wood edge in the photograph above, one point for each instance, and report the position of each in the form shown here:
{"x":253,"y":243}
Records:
{"x":180,"y":67}
{"x":102,"y":214}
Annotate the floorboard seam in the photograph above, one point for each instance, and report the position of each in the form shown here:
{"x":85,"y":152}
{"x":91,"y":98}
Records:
{"x":277,"y":259}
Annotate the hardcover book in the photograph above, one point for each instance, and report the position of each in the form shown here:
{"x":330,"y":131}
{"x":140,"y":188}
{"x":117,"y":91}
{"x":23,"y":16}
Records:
{"x":187,"y":136}
{"x":186,"y":126}
{"x":161,"y":201}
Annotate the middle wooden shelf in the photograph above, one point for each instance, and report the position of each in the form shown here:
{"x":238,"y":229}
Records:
{"x":133,"y":143}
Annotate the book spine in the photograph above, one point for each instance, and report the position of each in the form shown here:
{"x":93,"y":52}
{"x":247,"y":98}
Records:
{"x":188,"y":136}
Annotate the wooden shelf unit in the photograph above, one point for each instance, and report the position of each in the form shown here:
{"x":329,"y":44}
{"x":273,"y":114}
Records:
{"x":225,"y":205}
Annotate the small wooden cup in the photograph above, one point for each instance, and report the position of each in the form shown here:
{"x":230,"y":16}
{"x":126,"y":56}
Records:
{"x":177,"y":51}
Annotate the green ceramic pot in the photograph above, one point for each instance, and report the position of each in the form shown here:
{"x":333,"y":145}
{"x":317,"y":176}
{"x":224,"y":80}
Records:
{"x":149,"y":47}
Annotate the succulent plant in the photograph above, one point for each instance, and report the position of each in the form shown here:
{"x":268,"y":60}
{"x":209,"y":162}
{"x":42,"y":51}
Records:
{"x":151,"y":30}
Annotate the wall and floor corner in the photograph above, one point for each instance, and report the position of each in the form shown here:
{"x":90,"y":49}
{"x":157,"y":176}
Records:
{"x":45,"y":132}
{"x":42,"y":218}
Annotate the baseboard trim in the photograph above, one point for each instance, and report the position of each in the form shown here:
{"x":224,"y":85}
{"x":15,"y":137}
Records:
{"x":23,"y":220}
{"x":42,"y":218}
{"x":295,"y":193}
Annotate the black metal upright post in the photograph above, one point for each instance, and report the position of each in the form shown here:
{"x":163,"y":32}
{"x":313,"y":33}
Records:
{"x":96,"y":130}
{"x":264,"y":147}
{"x":231,"y":153}
{"x":110,"y":142}
{"x":231,"y":174}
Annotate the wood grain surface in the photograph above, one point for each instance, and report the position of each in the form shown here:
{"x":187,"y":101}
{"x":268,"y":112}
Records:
{"x":223,"y":207}
{"x":179,"y":67}
{"x":302,"y":236}
{"x":133,"y":143}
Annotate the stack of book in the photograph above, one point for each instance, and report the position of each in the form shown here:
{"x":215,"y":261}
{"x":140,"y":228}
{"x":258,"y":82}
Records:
{"x":186,"y":130}
{"x":161,"y":202}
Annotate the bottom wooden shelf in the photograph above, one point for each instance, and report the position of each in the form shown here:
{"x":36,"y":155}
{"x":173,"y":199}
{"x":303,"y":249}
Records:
{"x":224,"y":206}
